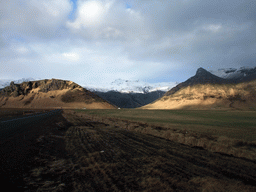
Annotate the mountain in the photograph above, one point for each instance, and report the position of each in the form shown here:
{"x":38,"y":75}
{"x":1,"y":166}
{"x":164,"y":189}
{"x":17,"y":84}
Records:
{"x":50,"y":93}
{"x":208,"y":91}
{"x":131,"y":94}
{"x":202,"y":77}
{"x":131,"y":86}
{"x":121,"y":93}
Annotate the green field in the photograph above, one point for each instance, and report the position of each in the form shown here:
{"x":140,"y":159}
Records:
{"x":232,"y":124}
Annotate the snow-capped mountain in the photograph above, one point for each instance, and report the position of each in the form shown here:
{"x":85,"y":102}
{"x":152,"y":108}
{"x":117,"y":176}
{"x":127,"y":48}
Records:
{"x":130,"y":86}
{"x":6,"y":82}
{"x":233,"y":73}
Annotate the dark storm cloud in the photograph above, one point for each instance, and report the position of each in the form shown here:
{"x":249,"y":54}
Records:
{"x":200,"y":33}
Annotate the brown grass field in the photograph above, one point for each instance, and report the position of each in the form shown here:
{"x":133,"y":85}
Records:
{"x":230,"y":132}
{"x":108,"y":150}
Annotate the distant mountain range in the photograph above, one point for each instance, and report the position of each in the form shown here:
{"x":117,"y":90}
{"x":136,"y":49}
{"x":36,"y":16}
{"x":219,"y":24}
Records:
{"x":121,"y":93}
{"x":132,"y":94}
{"x":131,"y":86}
{"x":137,"y":86}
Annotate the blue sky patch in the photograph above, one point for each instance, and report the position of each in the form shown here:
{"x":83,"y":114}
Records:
{"x":72,"y":13}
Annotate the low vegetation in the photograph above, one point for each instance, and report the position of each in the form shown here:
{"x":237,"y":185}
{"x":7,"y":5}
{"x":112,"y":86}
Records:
{"x":229,"y":132}
{"x":116,"y":155}
{"x":90,"y":152}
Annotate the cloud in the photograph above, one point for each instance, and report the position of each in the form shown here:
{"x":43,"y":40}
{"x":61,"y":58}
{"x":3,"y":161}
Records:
{"x":195,"y":32}
{"x":71,"y":56}
{"x":99,"y":19}
{"x":134,"y":39}
{"x":33,"y":18}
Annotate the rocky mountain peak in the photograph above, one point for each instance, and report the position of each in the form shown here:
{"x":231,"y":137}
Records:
{"x":201,"y":71}
{"x":202,"y":76}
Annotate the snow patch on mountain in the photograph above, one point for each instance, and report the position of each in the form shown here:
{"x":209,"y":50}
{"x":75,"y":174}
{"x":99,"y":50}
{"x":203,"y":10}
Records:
{"x":6,"y":82}
{"x":132,"y":86}
{"x":232,"y":73}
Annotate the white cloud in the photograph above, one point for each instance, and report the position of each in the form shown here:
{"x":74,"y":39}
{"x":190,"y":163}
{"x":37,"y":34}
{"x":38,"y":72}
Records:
{"x":106,"y":19}
{"x":71,"y":56}
{"x":213,"y":28}
{"x":22,"y":50}
{"x":90,"y":14}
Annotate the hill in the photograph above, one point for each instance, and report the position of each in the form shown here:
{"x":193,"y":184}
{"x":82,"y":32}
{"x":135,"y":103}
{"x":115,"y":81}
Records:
{"x":50,"y":93}
{"x":208,"y":91}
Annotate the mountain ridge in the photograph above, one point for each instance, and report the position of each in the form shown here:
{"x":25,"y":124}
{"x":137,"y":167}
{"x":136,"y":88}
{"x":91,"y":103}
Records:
{"x":131,"y":86}
{"x":50,"y":93}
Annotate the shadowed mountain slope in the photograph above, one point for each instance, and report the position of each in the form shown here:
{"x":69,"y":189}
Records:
{"x":130,"y":100}
{"x":50,"y":93}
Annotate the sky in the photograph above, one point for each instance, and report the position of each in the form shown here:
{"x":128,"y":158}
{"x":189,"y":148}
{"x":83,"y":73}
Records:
{"x":92,"y":42}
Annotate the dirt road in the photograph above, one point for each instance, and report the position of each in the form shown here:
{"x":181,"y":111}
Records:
{"x":19,"y":147}
{"x":12,"y":126}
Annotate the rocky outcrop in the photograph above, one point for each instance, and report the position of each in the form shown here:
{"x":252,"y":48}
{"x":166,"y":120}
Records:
{"x":43,"y":85}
